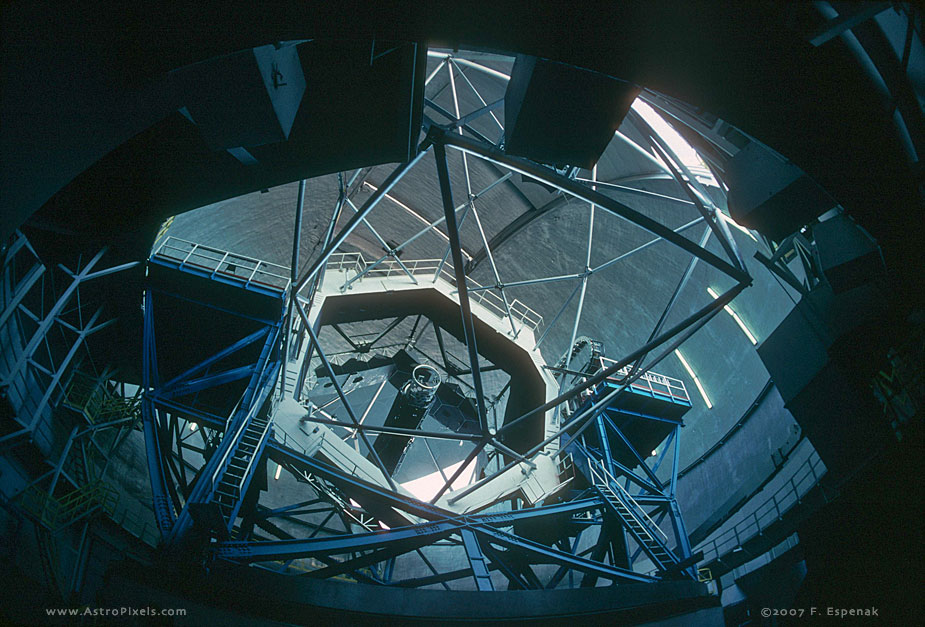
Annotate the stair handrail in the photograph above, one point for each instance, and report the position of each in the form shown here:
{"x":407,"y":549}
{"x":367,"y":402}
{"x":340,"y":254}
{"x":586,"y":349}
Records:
{"x":247,"y":469}
{"x":609,"y":478}
{"x":226,"y":457}
{"x":236,"y":438}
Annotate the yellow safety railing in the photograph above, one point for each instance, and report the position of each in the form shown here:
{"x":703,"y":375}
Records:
{"x":56,"y":513}
{"x":89,"y":396}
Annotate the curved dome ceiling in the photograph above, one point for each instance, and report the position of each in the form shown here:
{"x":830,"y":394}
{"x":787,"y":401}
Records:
{"x":533,"y":241}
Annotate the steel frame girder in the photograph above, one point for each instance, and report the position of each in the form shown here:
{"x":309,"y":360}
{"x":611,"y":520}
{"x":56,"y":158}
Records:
{"x":253,"y":398}
{"x":343,"y":397}
{"x":683,"y":329}
{"x":258,"y":454}
{"x":293,"y":277}
{"x":48,"y":321}
{"x":717,"y":226}
{"x":690,"y":321}
{"x":461,"y":285}
{"x":583,"y":192}
{"x":556,"y":556}
{"x":398,"y":430}
{"x":511,"y":569}
{"x":209,"y":361}
{"x":635,"y":414}
{"x":477,"y":561}
{"x":433,"y":105}
{"x":353,"y":564}
{"x":632,"y":449}
{"x":22,"y":288}
{"x":440,"y":578}
{"x":292,"y":549}
{"x":368,"y":206}
{"x":62,"y":367}
{"x":195,"y":385}
{"x":163,"y":510}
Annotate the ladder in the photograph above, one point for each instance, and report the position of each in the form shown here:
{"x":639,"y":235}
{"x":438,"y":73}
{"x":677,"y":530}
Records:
{"x":632,"y":515}
{"x":236,"y":478}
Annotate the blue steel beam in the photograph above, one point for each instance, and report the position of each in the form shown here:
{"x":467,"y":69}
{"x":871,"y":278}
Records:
{"x":281,"y":453}
{"x":163,"y":512}
{"x":292,"y":549}
{"x":516,"y":581}
{"x":564,"y":570}
{"x":270,"y":346}
{"x":213,"y":421}
{"x":554,"y":556}
{"x":605,"y":442}
{"x":354,"y":565}
{"x":664,"y":453}
{"x":477,"y":561}
{"x":635,"y":414}
{"x":225,"y":352}
{"x":210,"y":476}
{"x":632,"y":449}
{"x":195,"y":385}
{"x":246,"y":552}
{"x":632,"y":476}
{"x":264,"y":321}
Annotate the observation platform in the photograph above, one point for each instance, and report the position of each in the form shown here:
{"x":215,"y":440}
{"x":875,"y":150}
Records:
{"x":222,"y":266}
{"x":219,"y":298}
{"x":354,"y":290}
{"x":642,"y":415}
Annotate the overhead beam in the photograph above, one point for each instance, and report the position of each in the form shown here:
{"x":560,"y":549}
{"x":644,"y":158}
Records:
{"x":583,"y":192}
{"x":246,"y":552}
{"x":461,"y":281}
{"x":360,"y":215}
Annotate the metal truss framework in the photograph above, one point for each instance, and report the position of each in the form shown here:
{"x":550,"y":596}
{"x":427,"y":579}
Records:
{"x":63,"y":402}
{"x":622,"y":505}
{"x":46,"y":324}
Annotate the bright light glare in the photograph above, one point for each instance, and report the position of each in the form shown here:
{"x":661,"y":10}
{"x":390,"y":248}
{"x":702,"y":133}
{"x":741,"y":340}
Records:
{"x":279,"y":469}
{"x":690,"y":371}
{"x":192,"y":426}
{"x":735,"y":317}
{"x":729,"y":220}
{"x":426,"y":487}
{"x":678,"y":144}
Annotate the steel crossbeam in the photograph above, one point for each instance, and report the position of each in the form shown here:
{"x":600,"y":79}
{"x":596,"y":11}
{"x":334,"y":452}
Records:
{"x":584,"y":192}
{"x":246,"y":552}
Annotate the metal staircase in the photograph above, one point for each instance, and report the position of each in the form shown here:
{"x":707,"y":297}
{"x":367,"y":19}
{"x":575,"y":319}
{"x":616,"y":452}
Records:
{"x":235,"y":480}
{"x":234,"y":472}
{"x":634,"y":518}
